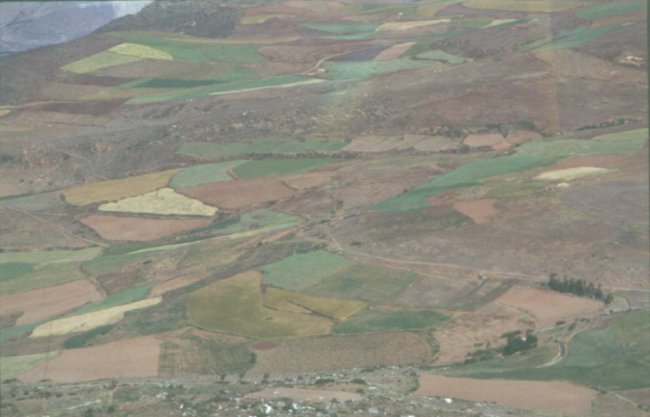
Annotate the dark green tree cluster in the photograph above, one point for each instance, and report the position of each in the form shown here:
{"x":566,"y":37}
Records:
{"x":518,"y":343}
{"x":579,"y":287}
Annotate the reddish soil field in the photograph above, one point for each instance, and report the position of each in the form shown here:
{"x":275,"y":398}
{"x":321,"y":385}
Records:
{"x":48,"y":302}
{"x":312,"y":180}
{"x":480,"y":211}
{"x":600,"y":161}
{"x":548,"y":307}
{"x":394,"y":51}
{"x":552,"y":396}
{"x":240,"y":193}
{"x":128,"y":358}
{"x":300,"y":394}
{"x":139,"y":228}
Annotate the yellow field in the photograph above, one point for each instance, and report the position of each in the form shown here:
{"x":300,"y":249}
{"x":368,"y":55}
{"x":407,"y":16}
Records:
{"x":89,"y":321}
{"x":112,"y":190}
{"x":140,"y":51}
{"x":165,"y":201}
{"x":4,"y":112}
{"x":395,"y":26}
{"x":572,"y":173}
{"x":296,"y":302}
{"x":543,"y":6}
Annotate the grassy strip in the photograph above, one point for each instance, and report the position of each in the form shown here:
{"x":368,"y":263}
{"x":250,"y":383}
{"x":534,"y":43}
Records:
{"x":13,"y":270}
{"x":262,"y":146}
{"x":601,"y":11}
{"x":267,"y":167}
{"x":379,"y":321}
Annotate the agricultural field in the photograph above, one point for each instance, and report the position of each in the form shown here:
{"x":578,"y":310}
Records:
{"x":99,"y":61}
{"x":387,"y":320}
{"x":261,"y":220}
{"x":601,"y":11}
{"x":32,"y":277}
{"x":276,"y":167}
{"x":235,"y":306}
{"x":112,"y":190}
{"x":531,"y":6}
{"x":121,"y":228}
{"x":342,"y":27}
{"x":164,"y":201}
{"x":127,"y":296}
{"x":570,"y":174}
{"x":261,"y":146}
{"x":366,"y":69}
{"x":12,"y":366}
{"x":296,"y":302}
{"x":140,"y":51}
{"x":240,"y":194}
{"x":204,"y":174}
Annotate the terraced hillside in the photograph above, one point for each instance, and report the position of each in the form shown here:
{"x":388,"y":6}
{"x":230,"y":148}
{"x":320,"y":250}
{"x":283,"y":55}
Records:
{"x":306,"y":201}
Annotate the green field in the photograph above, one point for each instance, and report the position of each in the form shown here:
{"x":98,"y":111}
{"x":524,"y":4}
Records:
{"x":203,"y":174}
{"x":341,"y":27}
{"x":235,"y":306}
{"x":49,"y":256}
{"x":469,"y":174}
{"x":11,"y":332}
{"x":439,"y":55}
{"x":600,"y":11}
{"x":623,"y":143}
{"x":299,"y":272}
{"x":99,"y":61}
{"x":224,"y":88}
{"x":110,"y":263}
{"x":263,"y":219}
{"x":262,"y":146}
{"x":218,"y":73}
{"x":616,"y":357}
{"x":266,"y":167}
{"x":195,"y":51}
{"x":140,"y":51}
{"x":351,"y":37}
{"x":12,"y":366}
{"x":579,"y":36}
{"x":13,"y":270}
{"x":334,"y":308}
{"x":122,"y":297}
{"x":42,"y":276}
{"x":543,"y":6}
{"x":385,"y":320}
{"x":34,"y":202}
{"x":364,"y":69}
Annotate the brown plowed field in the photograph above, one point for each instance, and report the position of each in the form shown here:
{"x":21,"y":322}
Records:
{"x":480,"y":211}
{"x":128,"y":358}
{"x":139,"y":228}
{"x":553,"y":396}
{"x":304,"y":181}
{"x":480,"y":140}
{"x":240,"y":193}
{"x":48,"y":302}
{"x":340,"y":352}
{"x":548,"y":307}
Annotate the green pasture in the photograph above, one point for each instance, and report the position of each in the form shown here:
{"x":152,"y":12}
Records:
{"x":110,"y":263}
{"x":443,"y":56}
{"x":15,"y":331}
{"x":266,"y":167}
{"x":469,"y":174}
{"x":98,"y":61}
{"x":603,"y":10}
{"x":531,"y":6}
{"x":622,"y":143}
{"x":408,"y":11}
{"x":614,"y":358}
{"x":41,"y":276}
{"x":579,"y":36}
{"x":126,"y":296}
{"x":385,"y":320}
{"x":12,"y":366}
{"x":351,"y":36}
{"x":261,"y":146}
{"x":364,"y":69}
{"x":299,"y":272}
{"x":34,"y":202}
{"x":12,"y":270}
{"x":364,"y":282}
{"x":203,"y":174}
{"x":217,"y":74}
{"x":223,"y":88}
{"x":257,"y":219}
{"x":50,"y":256}
{"x":195,"y":51}
{"x":341,"y":27}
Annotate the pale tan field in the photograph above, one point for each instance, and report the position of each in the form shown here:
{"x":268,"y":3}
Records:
{"x":396,"y":26}
{"x":497,"y":22}
{"x":140,"y":51}
{"x":302,"y":394}
{"x":480,"y":211}
{"x":137,"y":357}
{"x":45,"y":303}
{"x":164,"y":202}
{"x":112,"y":190}
{"x":89,"y":321}
{"x":483,"y":139}
{"x":552,"y":396}
{"x":548,"y":307}
{"x":569,"y":174}
{"x":139,"y":228}
{"x":394,"y":51}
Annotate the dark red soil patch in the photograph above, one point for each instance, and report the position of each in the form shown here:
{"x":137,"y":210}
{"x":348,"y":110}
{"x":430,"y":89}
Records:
{"x":240,"y":193}
{"x":139,"y":228}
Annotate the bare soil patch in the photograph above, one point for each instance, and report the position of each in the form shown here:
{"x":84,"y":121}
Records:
{"x":548,"y":307}
{"x":305,"y":181}
{"x":552,"y":396}
{"x":340,"y":352}
{"x":394,"y":51}
{"x":139,"y":228}
{"x":48,"y":302}
{"x":137,"y":357}
{"x":240,"y":193}
{"x":302,"y":394}
{"x":480,"y":211}
{"x":483,"y":140}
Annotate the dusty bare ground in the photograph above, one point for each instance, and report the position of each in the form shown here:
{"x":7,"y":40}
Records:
{"x":483,"y":139}
{"x":240,"y":193}
{"x":467,"y":332}
{"x":340,"y":352}
{"x":480,"y":211}
{"x":394,"y":51}
{"x":548,"y":307}
{"x":301,"y":394}
{"x":309,"y":180}
{"x":139,"y":228}
{"x":552,"y":396}
{"x":48,"y":302}
{"x":137,"y":357}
